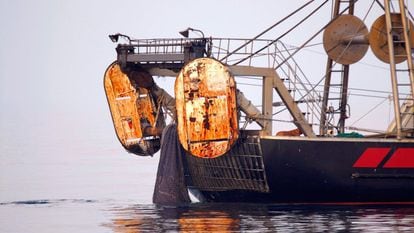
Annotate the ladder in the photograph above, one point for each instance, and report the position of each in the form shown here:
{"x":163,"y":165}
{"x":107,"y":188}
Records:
{"x":342,"y":84}
{"x":403,"y":129}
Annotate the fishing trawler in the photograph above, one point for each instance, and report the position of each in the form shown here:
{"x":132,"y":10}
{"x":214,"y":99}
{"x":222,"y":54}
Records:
{"x":232,"y":152}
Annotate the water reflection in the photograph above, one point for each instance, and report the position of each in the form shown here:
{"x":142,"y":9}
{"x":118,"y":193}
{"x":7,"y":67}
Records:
{"x":266,"y":218}
{"x":210,"y":221}
{"x":191,"y":218}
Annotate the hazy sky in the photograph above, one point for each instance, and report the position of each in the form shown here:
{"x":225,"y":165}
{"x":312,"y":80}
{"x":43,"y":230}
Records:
{"x":53,"y":53}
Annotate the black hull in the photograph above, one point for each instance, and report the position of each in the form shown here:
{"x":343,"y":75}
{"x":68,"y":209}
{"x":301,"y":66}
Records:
{"x":299,"y":170}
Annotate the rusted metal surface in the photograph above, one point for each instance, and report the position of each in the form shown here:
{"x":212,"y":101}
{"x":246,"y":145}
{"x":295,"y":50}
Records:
{"x":146,"y":109}
{"x":133,"y":112}
{"x":206,"y":108}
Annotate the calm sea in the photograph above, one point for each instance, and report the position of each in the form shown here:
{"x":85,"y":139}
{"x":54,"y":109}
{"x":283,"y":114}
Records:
{"x":71,"y":175}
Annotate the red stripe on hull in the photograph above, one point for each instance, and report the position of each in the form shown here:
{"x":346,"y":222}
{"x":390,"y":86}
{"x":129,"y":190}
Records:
{"x":371,"y":158}
{"x":402,"y":158}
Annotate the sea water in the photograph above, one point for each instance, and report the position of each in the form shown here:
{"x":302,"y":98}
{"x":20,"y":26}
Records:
{"x":55,"y":176}
{"x":100,"y":215}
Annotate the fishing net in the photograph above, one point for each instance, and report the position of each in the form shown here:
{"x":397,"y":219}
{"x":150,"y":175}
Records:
{"x":170,"y":188}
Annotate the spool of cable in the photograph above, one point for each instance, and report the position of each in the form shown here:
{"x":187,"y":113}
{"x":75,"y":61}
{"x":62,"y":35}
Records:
{"x":345,"y":39}
{"x":379,"y":42}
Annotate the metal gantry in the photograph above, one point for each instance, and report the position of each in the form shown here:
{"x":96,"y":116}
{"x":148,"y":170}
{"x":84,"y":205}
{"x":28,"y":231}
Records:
{"x":342,"y":74}
{"x":397,"y":24}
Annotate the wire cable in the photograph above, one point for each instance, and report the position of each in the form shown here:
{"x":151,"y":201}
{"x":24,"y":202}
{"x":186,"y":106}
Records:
{"x":369,"y":111}
{"x":268,"y":29}
{"x":280,"y":37}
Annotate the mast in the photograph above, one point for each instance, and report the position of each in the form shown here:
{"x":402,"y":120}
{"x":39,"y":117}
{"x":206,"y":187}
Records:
{"x":343,"y":74}
{"x":398,"y":35}
{"x":391,"y":39}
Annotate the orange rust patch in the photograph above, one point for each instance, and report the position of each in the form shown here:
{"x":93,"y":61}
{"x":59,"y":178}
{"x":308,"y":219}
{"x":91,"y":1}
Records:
{"x":206,"y":108}
{"x":131,"y":109}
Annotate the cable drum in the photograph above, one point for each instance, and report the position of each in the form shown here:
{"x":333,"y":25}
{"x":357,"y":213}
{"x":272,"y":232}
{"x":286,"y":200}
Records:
{"x":379,"y":43}
{"x":345,"y":39}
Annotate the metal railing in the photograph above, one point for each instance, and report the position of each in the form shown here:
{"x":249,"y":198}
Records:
{"x":160,"y":46}
{"x":277,"y":55}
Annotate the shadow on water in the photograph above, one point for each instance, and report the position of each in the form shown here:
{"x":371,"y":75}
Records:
{"x":221,"y":217}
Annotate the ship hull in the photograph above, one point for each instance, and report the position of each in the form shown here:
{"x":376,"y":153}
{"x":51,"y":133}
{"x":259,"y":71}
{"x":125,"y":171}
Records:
{"x":327,"y":170}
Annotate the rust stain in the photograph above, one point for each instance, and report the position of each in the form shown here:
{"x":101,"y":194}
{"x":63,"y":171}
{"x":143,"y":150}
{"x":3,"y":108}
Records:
{"x":121,"y":98}
{"x":132,"y":109}
{"x":206,"y":108}
{"x":145,"y":107}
